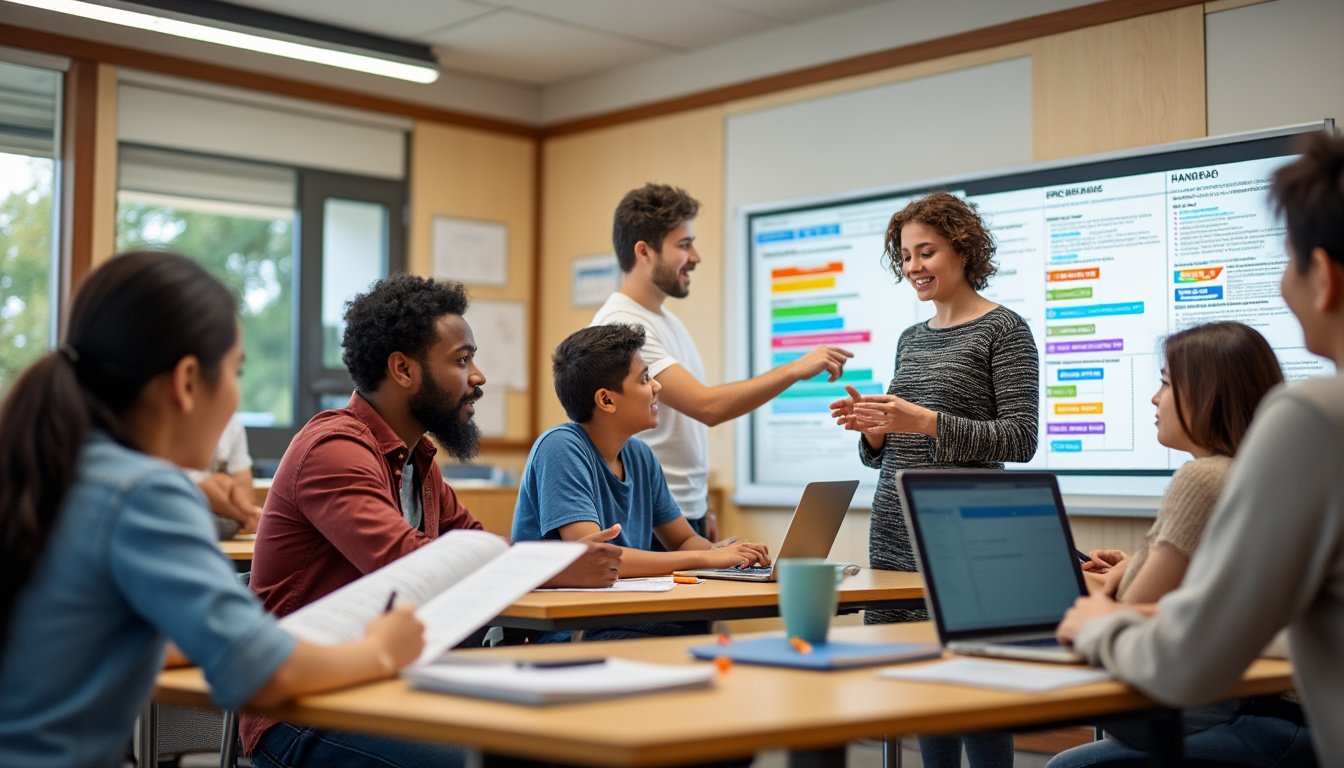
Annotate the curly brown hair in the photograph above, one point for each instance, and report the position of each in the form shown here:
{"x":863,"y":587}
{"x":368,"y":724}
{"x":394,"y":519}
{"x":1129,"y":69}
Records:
{"x":954,"y":219}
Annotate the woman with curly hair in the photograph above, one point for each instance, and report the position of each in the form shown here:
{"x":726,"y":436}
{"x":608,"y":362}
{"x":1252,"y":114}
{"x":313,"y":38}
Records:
{"x":964,"y":394}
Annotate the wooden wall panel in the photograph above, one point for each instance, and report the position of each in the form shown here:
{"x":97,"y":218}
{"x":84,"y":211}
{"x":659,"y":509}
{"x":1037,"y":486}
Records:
{"x":583,"y":178}
{"x":1119,"y":85}
{"x":472,"y":174}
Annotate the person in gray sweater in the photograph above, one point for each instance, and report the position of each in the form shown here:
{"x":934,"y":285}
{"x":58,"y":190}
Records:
{"x":964,"y":394}
{"x":1273,"y":554}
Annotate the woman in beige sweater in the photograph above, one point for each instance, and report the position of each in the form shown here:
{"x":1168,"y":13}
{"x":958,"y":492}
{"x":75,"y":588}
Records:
{"x":1214,"y":378}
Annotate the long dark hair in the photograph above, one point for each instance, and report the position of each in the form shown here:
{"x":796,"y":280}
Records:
{"x":133,"y":318}
{"x":1219,"y":373}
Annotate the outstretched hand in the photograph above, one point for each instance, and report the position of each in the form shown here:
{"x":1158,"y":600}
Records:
{"x":828,"y":360}
{"x":600,"y":566}
{"x":880,"y":414}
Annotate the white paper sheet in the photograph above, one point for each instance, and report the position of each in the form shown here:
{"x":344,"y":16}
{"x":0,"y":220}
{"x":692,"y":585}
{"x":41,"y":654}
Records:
{"x":530,"y":685}
{"x":1003,"y":675}
{"x":500,"y":328}
{"x":467,"y":605}
{"x":646,"y":584}
{"x":416,"y":578}
{"x":460,"y":581}
{"x":471,"y":252}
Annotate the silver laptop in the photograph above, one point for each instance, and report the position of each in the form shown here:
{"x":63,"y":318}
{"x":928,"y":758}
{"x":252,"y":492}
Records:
{"x":997,"y":557}
{"x":812,"y":530}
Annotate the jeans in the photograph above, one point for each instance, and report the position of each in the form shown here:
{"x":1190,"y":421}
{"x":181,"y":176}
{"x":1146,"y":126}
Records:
{"x":1246,"y":740}
{"x":985,"y":749}
{"x":288,"y":746}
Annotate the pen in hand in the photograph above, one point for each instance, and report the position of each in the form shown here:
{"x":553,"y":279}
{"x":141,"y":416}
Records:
{"x":391,"y":600}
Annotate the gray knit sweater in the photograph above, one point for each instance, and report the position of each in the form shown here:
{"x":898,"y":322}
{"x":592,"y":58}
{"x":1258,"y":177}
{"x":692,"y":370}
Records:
{"x":983,"y":379}
{"x":1272,"y":556}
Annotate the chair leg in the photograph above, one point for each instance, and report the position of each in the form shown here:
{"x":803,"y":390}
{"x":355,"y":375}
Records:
{"x":891,"y":752}
{"x":228,"y":743}
{"x":147,"y":737}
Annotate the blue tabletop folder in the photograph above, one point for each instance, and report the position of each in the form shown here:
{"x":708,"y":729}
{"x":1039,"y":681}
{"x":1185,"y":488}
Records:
{"x":777,"y":652}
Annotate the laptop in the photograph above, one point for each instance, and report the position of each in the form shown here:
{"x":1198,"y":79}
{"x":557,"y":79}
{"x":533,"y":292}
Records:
{"x":997,"y":557}
{"x":812,"y":530}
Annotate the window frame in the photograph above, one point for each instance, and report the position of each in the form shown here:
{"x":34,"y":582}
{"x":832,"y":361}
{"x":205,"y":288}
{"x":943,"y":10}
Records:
{"x":311,"y":379}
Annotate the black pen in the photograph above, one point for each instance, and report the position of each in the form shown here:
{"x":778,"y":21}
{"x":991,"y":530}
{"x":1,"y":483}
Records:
{"x":558,"y":664}
{"x":391,"y":599}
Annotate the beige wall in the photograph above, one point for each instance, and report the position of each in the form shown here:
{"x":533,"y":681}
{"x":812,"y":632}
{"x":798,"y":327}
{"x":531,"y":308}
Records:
{"x":471,"y":174}
{"x":1118,"y":85}
{"x":583,"y":177}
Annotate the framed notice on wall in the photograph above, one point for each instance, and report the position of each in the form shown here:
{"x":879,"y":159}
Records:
{"x":594,"y":278}
{"x":470,"y":252}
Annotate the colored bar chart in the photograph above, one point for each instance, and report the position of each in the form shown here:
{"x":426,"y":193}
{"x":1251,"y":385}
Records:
{"x":806,"y":312}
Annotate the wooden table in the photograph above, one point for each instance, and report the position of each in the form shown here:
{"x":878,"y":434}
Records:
{"x":748,"y":709}
{"x":710,"y":600}
{"x":240,"y":547}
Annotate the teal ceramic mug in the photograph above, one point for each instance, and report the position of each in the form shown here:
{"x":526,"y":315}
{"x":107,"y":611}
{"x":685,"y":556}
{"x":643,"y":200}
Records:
{"x":807,"y":596}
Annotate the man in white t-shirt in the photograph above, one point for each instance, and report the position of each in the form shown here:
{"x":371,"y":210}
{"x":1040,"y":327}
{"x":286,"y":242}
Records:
{"x":227,"y":485}
{"x":655,"y":247}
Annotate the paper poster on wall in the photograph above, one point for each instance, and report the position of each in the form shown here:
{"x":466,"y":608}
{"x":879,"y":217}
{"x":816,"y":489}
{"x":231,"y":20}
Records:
{"x":594,"y":279}
{"x":491,"y":414}
{"x":470,"y":252}
{"x":500,"y":328}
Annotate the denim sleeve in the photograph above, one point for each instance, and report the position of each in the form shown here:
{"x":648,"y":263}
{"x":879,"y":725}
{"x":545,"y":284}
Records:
{"x":167,"y":565}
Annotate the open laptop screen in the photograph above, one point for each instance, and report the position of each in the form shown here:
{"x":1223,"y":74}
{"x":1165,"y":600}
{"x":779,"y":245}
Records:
{"x":995,"y":548}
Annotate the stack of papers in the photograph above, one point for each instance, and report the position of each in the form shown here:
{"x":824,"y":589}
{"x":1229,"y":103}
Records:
{"x":778,"y":652}
{"x":1003,"y":675}
{"x":527,"y":684}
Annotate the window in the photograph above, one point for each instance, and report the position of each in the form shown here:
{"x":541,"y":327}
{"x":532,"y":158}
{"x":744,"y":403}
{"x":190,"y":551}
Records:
{"x":237,"y":219}
{"x":29,"y":99}
{"x":294,"y":244}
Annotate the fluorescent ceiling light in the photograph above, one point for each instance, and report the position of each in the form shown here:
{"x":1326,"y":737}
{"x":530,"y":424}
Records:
{"x":374,"y":64}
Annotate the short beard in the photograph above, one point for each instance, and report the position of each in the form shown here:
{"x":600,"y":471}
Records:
{"x":669,"y":280}
{"x":460,"y":437}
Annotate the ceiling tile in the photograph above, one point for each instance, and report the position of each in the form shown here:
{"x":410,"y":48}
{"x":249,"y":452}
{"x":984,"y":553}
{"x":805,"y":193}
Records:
{"x":682,"y":25}
{"x":794,"y":11}
{"x":522,"y":47}
{"x":407,"y":19}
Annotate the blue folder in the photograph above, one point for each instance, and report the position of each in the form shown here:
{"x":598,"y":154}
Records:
{"x":777,"y":652}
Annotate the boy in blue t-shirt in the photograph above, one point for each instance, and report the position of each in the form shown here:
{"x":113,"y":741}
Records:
{"x":591,"y":473}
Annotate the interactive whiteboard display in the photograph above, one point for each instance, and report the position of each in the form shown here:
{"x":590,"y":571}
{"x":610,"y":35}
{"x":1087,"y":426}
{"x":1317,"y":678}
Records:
{"x":1103,"y":258}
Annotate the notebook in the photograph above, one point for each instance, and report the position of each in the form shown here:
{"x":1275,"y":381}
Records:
{"x":997,"y":557}
{"x":543,"y":682}
{"x":811,"y":532}
{"x":779,"y":652}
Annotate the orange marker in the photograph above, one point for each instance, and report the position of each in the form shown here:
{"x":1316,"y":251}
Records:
{"x":723,"y":664}
{"x":685,"y":580}
{"x":800,"y":645}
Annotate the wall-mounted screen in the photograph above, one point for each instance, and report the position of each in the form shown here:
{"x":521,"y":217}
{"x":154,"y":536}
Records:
{"x":1103,"y":257}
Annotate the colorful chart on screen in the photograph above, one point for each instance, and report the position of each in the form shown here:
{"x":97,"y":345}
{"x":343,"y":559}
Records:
{"x":1102,"y":258}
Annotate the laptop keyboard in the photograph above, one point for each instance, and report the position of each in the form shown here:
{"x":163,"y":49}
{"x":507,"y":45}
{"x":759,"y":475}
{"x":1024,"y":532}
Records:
{"x":754,"y":570}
